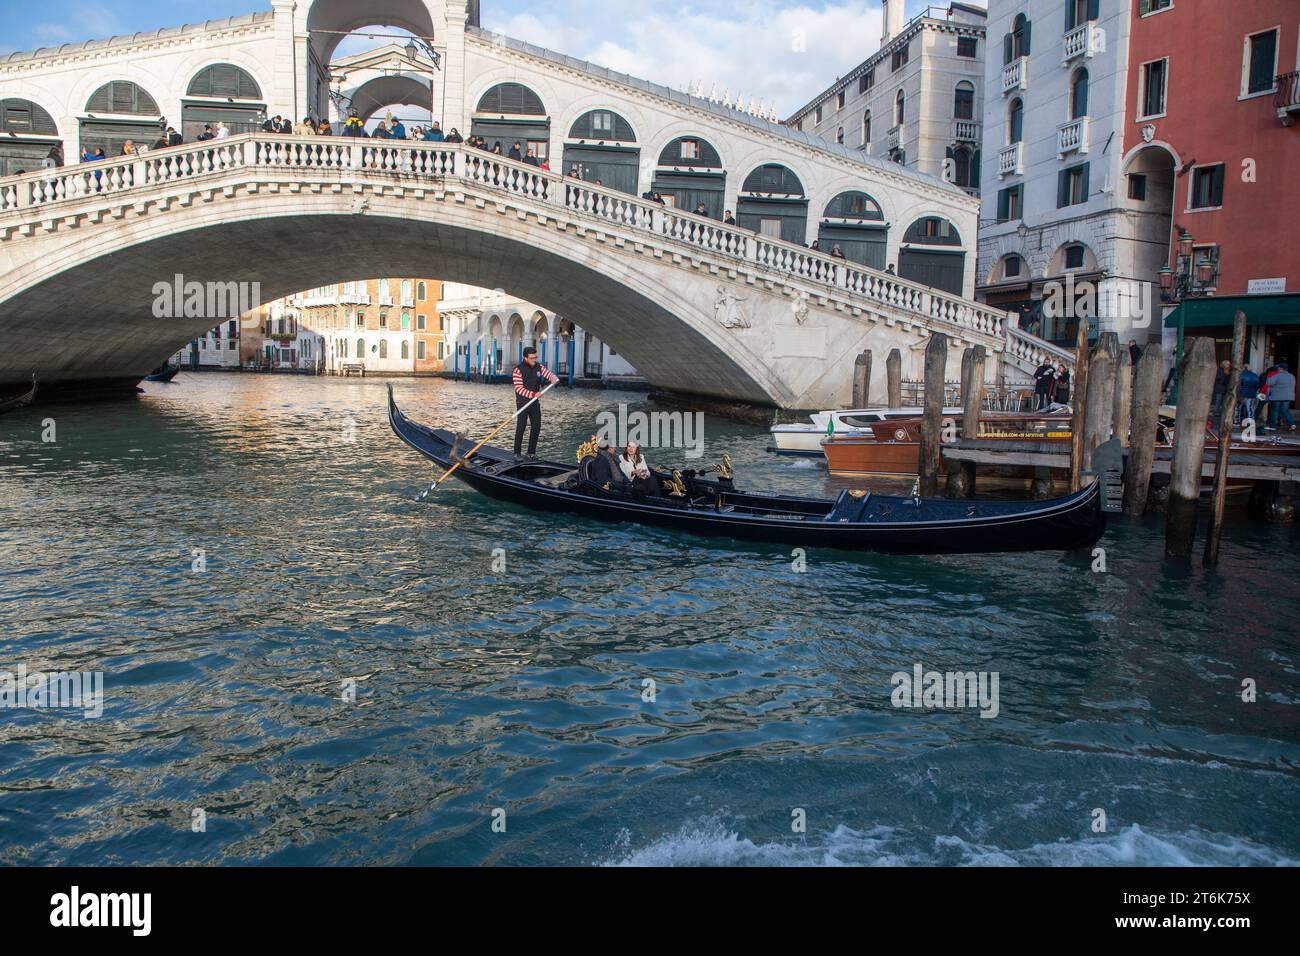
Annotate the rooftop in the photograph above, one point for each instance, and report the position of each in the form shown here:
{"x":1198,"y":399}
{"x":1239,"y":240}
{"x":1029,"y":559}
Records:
{"x":208,"y":26}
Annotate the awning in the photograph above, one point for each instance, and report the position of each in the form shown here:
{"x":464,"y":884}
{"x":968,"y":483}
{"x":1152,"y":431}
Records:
{"x":1221,"y":310}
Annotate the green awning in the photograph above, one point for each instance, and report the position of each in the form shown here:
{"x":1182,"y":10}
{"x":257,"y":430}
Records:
{"x":1222,"y":310}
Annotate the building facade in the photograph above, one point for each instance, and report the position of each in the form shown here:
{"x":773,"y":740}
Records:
{"x":388,"y":326}
{"x":1211,"y":149}
{"x":1062,"y":240}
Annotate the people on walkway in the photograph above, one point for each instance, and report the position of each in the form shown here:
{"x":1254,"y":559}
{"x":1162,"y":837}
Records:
{"x":1247,"y":395}
{"x":1044,"y":382}
{"x":222,"y":130}
{"x":1061,"y":387}
{"x":1281,"y":393}
{"x":1222,"y":375}
{"x":207,"y":134}
{"x":433,"y":134}
{"x":728,"y":218}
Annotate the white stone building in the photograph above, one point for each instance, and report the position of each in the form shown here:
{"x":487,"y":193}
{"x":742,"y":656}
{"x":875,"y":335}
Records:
{"x":1056,"y":212}
{"x":917,"y":101}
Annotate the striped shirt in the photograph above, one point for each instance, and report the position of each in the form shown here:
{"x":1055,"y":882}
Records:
{"x":518,"y":380}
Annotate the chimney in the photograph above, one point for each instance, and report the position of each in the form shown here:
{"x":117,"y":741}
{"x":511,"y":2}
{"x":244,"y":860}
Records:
{"x":893,"y":20}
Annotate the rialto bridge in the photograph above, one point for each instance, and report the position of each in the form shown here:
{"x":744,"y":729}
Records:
{"x":741,"y":311}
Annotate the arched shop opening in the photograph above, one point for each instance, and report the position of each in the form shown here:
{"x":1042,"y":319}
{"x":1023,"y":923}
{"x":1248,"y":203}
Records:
{"x":222,"y":93}
{"x":689,"y":173}
{"x":772,"y":203}
{"x":854,"y":222}
{"x":602,"y":147}
{"x":119,"y":111}
{"x":27,"y":134}
{"x":932,"y":255}
{"x":510,"y":113}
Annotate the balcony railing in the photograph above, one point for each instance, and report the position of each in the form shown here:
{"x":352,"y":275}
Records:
{"x":1084,"y":40}
{"x":1073,"y":136}
{"x":966,"y":131}
{"x":1287,"y":98}
{"x":1011,"y":160}
{"x":895,"y":136}
{"x":354,"y":298}
{"x":1015,"y":75}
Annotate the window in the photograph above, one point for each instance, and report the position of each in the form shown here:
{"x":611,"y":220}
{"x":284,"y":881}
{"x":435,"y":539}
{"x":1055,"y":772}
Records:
{"x":361,"y":319}
{"x":419,"y":350}
{"x":1012,"y":266}
{"x":1207,"y":187}
{"x":383,"y":348}
{"x":1154,"y":77}
{"x":899,"y":59}
{"x":537,"y":149}
{"x":1074,"y":257}
{"x":867,"y":80}
{"x":1261,"y":58}
{"x":1079,"y":12}
{"x":406,"y":320}
{"x":420,"y":291}
{"x":383,"y":320}
{"x":442,"y":324}
{"x":1153,"y":6}
{"x":406,"y":290}
{"x":406,"y":350}
{"x":839,"y":99}
{"x":963,"y":101}
{"x":232,"y":328}
{"x":419,"y":322}
{"x":1010,"y":203}
{"x":690,"y":149}
{"x":839,"y":135}
{"x":1137,"y":186}
{"x":900,"y":108}
{"x":1016,"y":43}
{"x":1079,"y":95}
{"x":602,"y":121}
{"x":439,"y":349}
{"x":770,"y":227}
{"x":817,"y":115}
{"x":967,"y":46}
{"x":1016,"y":122}
{"x":962,"y":167}
{"x":1072,"y":186}
{"x":361,"y":348}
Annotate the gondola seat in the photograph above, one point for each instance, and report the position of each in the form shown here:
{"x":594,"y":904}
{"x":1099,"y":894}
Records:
{"x":849,"y":507}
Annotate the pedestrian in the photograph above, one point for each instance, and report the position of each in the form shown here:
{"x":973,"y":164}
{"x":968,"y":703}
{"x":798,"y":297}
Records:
{"x":381,"y":131}
{"x":353,"y":125}
{"x":272,"y":125}
{"x":453,"y":136}
{"x":836,"y":252}
{"x":1044,"y":380}
{"x":324,"y":129}
{"x":1061,"y":388}
{"x":305,"y":128}
{"x":527,"y":378}
{"x":207,"y":133}
{"x":1221,"y":378}
{"x":1247,"y":395}
{"x":815,"y":246}
{"x":53,"y":159}
{"x":433,"y":134}
{"x":496,"y":149}
{"x":222,"y":130}
{"x":728,"y":219}
{"x":174,"y":138}
{"x":396,"y":128}
{"x":1281,"y":393}
{"x":516,"y":153}
{"x":701,"y":209}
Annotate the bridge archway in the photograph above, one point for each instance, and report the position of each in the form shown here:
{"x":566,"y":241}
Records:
{"x":329,"y":21}
{"x":385,"y":91}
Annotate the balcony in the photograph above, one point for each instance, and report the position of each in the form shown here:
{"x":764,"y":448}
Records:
{"x":1015,"y":75}
{"x":1287,"y":98}
{"x":1072,"y":137}
{"x":895,"y":136}
{"x":1011,"y":160}
{"x":1084,"y":40}
{"x":966,"y":131}
{"x":354,"y":298}
{"x":408,"y":302}
{"x":311,"y":301}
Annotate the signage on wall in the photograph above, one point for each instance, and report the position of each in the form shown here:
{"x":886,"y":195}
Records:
{"x":1265,"y":286}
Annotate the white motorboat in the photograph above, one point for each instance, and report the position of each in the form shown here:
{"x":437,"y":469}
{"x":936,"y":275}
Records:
{"x":805,"y":438}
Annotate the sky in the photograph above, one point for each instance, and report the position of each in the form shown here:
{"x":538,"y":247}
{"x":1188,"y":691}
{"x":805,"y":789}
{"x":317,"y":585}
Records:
{"x":782,"y":53}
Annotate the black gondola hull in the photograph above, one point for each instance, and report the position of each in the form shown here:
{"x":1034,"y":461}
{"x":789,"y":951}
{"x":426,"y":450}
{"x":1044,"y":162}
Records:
{"x":901,"y":526}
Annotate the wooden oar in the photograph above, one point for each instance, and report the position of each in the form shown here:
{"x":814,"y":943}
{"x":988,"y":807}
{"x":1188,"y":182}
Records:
{"x":446,"y":474}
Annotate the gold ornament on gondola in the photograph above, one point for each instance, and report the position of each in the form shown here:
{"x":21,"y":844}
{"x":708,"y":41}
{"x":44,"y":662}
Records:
{"x":724,"y":467}
{"x":675,"y":487}
{"x":587,"y":449}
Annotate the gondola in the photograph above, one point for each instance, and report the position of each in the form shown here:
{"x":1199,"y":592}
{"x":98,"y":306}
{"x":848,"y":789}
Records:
{"x":163,"y":373}
{"x":20,"y":401}
{"x":857,"y":521}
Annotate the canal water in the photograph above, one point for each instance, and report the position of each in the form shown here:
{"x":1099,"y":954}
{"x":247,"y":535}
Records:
{"x":234,"y":553}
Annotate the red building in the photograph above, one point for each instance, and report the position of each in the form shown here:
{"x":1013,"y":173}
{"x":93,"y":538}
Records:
{"x":1212,"y":157}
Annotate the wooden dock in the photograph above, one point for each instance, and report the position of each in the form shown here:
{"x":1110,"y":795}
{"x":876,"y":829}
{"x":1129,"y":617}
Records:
{"x":1056,"y":455}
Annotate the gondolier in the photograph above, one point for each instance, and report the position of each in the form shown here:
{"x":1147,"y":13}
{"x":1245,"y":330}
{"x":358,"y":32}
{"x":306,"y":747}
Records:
{"x":527,"y":378}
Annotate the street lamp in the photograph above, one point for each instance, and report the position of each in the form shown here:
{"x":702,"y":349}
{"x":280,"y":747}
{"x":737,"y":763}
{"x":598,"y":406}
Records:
{"x":1191,"y":280}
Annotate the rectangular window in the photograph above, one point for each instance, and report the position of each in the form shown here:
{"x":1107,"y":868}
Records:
{"x":1137,"y":187}
{"x":537,"y":149}
{"x":442,"y":324}
{"x":1154,"y":76}
{"x":419,"y":322}
{"x":1072,"y":186}
{"x":899,"y":59}
{"x":383,"y":320}
{"x":817,"y":115}
{"x":839,"y":99}
{"x":1261,"y":58}
{"x":770,"y":227}
{"x":602,"y":121}
{"x":967,"y":46}
{"x":361,"y":320}
{"x":1207,"y":187}
{"x":440,"y":352}
{"x":419,"y":349}
{"x":867,"y":80}
{"x":1151,"y":6}
{"x":690,"y":149}
{"x":964,"y":103}
{"x":1074,"y":257}
{"x":1010,"y":206}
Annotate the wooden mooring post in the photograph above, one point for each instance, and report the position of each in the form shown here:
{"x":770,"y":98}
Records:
{"x":1146,"y":416}
{"x":961,"y":474}
{"x":1098,"y":410}
{"x":1195,"y":389}
{"x":894,"y":378}
{"x":1122,"y":406}
{"x":1211,"y":556}
{"x":862,"y":379}
{"x":1078,"y":395}
{"x":929,"y":463}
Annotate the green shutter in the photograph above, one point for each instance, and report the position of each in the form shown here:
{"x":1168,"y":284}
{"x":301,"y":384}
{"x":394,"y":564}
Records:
{"x":1084,"y":190}
{"x":1028,"y":29}
{"x":1006,"y":49}
{"x":1062,"y":189}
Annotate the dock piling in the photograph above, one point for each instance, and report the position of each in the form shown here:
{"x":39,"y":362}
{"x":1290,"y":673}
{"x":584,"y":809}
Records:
{"x":862,"y":379}
{"x":1078,"y":395}
{"x":936,"y":359}
{"x":1098,"y":410}
{"x":1122,"y":405}
{"x":1146,"y":415}
{"x":1211,"y":556}
{"x":1195,"y":389}
{"x":894,"y":378}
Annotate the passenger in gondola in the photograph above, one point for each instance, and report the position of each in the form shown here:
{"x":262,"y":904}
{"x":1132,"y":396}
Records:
{"x":605,"y":471}
{"x":636,"y":471}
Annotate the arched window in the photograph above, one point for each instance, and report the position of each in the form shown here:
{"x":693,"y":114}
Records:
{"x":406,"y":290}
{"x":602,"y":125}
{"x":961,"y":168}
{"x":854,"y":205}
{"x":122,"y":96}
{"x":1016,"y":43}
{"x":963,"y":101}
{"x":1079,"y":95}
{"x":900,"y":108}
{"x":866,"y":128}
{"x":512,"y":99}
{"x":383,"y":348}
{"x":773,"y":178}
{"x":420,"y":291}
{"x":361,"y":348}
{"x":1016,"y":122}
{"x":406,"y":319}
{"x":406,"y":350}
{"x":933,"y":231}
{"x":839,"y":135}
{"x":1013,"y":267}
{"x":21,"y":117}
{"x":226,"y":80}
{"x":690,"y":151}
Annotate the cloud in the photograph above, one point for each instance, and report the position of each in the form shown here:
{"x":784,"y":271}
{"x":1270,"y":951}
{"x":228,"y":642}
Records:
{"x":781,"y":54}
